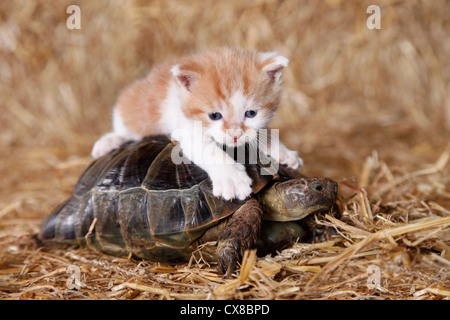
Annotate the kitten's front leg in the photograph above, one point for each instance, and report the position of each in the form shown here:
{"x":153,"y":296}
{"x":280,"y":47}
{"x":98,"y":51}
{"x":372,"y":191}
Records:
{"x":273,"y":147}
{"x":289,"y":157}
{"x":229,"y":178}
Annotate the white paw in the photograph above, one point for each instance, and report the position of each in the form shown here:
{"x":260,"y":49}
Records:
{"x":291,"y":159}
{"x":231,"y":182}
{"x":107,"y":143}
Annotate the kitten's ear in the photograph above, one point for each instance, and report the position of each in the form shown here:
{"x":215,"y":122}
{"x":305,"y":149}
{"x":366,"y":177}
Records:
{"x":273,"y":65}
{"x":185,"y":78}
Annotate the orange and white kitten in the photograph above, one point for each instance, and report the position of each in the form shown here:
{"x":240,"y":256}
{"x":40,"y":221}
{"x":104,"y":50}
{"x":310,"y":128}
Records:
{"x":232,"y":92}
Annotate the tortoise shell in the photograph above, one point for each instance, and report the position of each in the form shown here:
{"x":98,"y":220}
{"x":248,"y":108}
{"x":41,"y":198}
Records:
{"x":137,"y":200}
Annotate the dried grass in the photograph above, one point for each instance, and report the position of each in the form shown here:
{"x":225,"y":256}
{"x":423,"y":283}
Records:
{"x":367,"y":107}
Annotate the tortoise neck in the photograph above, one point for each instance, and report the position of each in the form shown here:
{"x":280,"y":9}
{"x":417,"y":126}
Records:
{"x":273,"y":204}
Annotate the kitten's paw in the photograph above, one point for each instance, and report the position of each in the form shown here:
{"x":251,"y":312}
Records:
{"x":291,"y":159}
{"x":231,"y":182}
{"x":107,"y":143}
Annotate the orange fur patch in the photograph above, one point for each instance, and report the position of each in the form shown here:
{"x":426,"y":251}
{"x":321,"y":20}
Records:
{"x":139,"y":105}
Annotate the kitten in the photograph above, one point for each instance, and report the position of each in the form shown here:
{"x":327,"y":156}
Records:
{"x":231,"y":92}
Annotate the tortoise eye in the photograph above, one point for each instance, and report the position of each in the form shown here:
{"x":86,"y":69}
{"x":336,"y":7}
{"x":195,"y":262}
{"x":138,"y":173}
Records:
{"x":250,"y":113}
{"x":215,"y":116}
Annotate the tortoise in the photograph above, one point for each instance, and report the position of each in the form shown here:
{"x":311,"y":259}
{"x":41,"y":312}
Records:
{"x":137,"y":201}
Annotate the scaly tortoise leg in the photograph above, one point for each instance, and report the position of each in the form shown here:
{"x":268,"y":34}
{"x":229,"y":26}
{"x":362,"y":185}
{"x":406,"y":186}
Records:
{"x":240,"y":234}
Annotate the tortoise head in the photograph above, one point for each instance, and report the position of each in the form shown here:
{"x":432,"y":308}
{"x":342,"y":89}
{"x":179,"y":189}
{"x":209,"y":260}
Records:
{"x":295,"y":199}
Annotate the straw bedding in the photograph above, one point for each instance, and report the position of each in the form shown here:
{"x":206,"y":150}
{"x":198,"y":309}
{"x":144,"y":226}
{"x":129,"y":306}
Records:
{"x":369,"y":108}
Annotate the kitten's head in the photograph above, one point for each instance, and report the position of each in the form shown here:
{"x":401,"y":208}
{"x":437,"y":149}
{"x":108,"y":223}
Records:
{"x":233,"y":92}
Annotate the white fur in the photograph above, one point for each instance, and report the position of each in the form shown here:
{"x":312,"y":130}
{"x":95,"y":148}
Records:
{"x":173,"y":118}
{"x":240,"y":104}
{"x":229,"y":179}
{"x":289,"y":157}
{"x":278,"y":61}
{"x":120,"y":128}
{"x":112,"y":140}
{"x":273,"y":147}
{"x":175,"y":70}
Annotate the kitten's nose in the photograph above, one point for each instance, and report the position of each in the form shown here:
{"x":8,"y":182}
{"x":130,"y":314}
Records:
{"x":236,"y":134}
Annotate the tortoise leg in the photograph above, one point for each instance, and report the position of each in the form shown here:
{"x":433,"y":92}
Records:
{"x":277,"y":235}
{"x":240,"y":234}
{"x":314,"y":232}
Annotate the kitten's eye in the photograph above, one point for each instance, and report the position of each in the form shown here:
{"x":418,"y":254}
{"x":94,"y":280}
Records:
{"x":215,"y":116}
{"x":250,"y":113}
